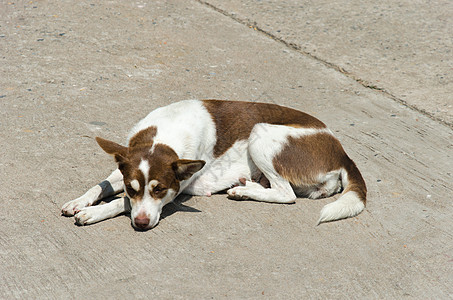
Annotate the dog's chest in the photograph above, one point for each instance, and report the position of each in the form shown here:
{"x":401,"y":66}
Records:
{"x":224,"y":171}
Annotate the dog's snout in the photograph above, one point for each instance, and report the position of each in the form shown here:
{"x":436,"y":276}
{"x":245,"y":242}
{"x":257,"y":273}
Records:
{"x":141,"y":222}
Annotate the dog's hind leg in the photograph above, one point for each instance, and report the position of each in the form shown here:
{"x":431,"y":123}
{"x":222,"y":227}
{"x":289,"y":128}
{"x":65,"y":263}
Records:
{"x":109,"y":187}
{"x":279,"y":192}
{"x":94,"y":214}
{"x":264,"y":142}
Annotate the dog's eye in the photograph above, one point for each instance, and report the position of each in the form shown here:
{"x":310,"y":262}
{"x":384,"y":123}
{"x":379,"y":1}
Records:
{"x":158,"y":189}
{"x":130,"y":191}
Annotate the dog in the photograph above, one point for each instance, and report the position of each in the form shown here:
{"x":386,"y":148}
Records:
{"x":257,"y":151}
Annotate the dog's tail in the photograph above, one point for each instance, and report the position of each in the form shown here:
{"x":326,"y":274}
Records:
{"x":353,"y":199}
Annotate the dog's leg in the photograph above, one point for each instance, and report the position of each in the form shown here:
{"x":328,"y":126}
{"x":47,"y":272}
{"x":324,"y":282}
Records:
{"x":109,"y":187}
{"x":93,"y":214}
{"x":265,"y":141}
{"x":280,"y":191}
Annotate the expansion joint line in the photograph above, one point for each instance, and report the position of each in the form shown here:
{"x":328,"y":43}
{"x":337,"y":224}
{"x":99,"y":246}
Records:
{"x":298,"y":48}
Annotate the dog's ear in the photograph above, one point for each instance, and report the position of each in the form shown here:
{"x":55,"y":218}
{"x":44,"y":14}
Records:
{"x":185,"y":168}
{"x":112,"y":148}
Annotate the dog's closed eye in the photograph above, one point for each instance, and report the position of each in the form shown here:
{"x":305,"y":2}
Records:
{"x":159,"y":189}
{"x":132,"y":188}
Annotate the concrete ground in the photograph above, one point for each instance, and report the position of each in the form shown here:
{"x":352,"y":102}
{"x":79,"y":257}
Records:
{"x":379,"y":74}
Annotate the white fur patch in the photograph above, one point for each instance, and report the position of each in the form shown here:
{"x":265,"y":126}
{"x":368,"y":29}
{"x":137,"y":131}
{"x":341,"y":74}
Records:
{"x":152,"y":184}
{"x":222,"y":172}
{"x":191,"y":135}
{"x":135,"y":185}
{"x":348,"y":205}
{"x":144,"y":167}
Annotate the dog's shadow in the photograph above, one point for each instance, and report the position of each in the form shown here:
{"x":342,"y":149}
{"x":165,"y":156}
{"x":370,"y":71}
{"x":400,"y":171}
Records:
{"x":176,"y":206}
{"x":168,"y":210}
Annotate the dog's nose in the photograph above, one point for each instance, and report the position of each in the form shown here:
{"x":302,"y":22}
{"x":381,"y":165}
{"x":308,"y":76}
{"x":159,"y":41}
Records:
{"x":141,"y":222}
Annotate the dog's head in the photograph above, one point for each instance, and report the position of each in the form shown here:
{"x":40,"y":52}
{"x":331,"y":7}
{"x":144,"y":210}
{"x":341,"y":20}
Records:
{"x":151,"y":173}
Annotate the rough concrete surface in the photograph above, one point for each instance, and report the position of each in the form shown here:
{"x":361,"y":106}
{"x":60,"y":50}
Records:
{"x":401,"y":47}
{"x":73,"y":70}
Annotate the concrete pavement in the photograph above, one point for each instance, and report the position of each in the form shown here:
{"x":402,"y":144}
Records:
{"x":71,"y":71}
{"x":402,"y":48}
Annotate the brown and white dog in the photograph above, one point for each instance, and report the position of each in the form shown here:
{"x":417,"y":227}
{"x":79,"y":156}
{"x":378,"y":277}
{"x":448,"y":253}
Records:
{"x":258,"y":151}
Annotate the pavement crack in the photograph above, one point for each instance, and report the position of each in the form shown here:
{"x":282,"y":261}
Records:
{"x":295,"y":47}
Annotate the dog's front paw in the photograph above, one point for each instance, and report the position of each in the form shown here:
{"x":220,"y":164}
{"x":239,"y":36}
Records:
{"x":87,"y":215}
{"x":73,"y":207}
{"x":237,"y":193}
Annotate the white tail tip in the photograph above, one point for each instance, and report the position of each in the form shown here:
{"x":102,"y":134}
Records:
{"x":348,"y":205}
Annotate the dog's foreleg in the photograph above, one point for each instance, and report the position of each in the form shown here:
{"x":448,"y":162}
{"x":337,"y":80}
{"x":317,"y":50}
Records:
{"x":93,"y":214}
{"x":109,"y":187}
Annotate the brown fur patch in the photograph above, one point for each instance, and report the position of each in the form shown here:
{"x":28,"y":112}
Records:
{"x":130,"y":174}
{"x":160,"y":163}
{"x":235,"y":120}
{"x":356,"y":182}
{"x":303,"y":159}
{"x":143,"y":137}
